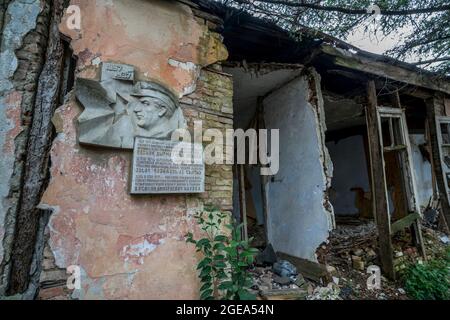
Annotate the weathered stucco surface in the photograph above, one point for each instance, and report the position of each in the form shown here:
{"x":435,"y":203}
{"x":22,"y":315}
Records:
{"x":21,"y":18}
{"x":422,"y":170}
{"x":133,"y":247}
{"x":161,"y":38}
{"x":300,"y":216}
{"x":112,"y":236}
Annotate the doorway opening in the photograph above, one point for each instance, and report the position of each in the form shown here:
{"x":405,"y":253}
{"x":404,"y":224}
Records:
{"x":252,"y":83}
{"x":350,"y":192}
{"x":288,"y":210}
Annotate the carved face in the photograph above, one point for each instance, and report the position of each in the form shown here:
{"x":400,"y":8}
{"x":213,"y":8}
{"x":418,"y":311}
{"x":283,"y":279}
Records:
{"x":148,"y":111}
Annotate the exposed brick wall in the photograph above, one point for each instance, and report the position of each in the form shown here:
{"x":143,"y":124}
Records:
{"x":53,"y":280}
{"x":212,"y":103}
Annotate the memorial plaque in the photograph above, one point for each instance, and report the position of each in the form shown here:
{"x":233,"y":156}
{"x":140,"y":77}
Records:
{"x":155,"y":171}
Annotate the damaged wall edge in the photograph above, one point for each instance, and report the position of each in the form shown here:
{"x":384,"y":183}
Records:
{"x":311,"y":116}
{"x":23,"y":45}
{"x":316,"y":99}
{"x":28,"y":217}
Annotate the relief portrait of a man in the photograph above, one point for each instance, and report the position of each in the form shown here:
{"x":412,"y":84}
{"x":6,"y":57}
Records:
{"x":116,"y":111}
{"x":154,"y":112}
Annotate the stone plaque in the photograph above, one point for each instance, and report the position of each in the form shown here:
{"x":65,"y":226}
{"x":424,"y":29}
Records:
{"x":155,"y":171}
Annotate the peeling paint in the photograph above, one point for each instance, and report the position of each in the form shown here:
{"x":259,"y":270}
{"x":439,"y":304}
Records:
{"x":325,"y":158}
{"x":141,"y":248}
{"x":178,"y":45}
{"x":127,"y":247}
{"x":21,"y":18}
{"x":300,"y":218}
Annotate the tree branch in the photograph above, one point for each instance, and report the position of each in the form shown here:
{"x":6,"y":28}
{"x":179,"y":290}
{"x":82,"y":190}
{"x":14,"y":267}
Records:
{"x":349,"y":10}
{"x":431,"y":61}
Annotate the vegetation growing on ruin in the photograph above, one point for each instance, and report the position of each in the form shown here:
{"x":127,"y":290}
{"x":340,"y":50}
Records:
{"x":223,"y":271}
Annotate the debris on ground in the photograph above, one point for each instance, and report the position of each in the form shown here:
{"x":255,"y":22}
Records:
{"x":284,"y":268}
{"x":352,"y":248}
{"x":342,"y":270}
{"x":331,"y":292}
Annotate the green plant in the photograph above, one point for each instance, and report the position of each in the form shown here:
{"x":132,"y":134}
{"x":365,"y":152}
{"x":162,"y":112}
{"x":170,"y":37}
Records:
{"x":223,"y":271}
{"x":430,"y":280}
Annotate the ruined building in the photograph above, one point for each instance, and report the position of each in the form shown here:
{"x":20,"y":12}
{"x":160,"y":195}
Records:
{"x":361,"y":136}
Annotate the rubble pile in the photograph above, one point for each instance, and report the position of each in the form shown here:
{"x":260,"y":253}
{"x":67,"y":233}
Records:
{"x":330,"y":292}
{"x":352,"y":248}
{"x":351,"y":245}
{"x":276,"y":279}
{"x":350,"y":251}
{"x":266,"y":279}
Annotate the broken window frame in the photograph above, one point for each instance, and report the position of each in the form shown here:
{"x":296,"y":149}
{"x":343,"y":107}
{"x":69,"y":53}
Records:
{"x":439,"y":121}
{"x":405,"y":153}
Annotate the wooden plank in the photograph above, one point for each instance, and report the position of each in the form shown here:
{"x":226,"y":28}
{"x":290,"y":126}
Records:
{"x":243,"y":201}
{"x":379,"y":194}
{"x":421,"y":78}
{"x":396,"y":148}
{"x":395,"y":98}
{"x":308,"y":269}
{"x":284,"y":294}
{"x":264,"y":179}
{"x":404,"y":223}
{"x":447,"y":107}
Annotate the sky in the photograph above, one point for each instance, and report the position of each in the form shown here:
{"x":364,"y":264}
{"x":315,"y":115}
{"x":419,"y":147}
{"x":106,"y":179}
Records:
{"x":377,"y":43}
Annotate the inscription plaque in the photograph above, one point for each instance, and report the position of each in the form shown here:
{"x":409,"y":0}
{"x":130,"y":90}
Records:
{"x":155,"y":172}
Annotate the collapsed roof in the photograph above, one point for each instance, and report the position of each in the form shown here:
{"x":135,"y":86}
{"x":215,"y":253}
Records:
{"x":253,"y":39}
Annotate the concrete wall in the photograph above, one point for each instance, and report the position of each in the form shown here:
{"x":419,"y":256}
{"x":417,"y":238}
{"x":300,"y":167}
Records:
{"x":350,"y":171}
{"x":422,"y":170}
{"x":133,"y":247}
{"x":299,"y":220}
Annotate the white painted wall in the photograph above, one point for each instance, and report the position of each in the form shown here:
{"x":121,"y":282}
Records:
{"x":350,"y":171}
{"x":298,"y":222}
{"x":422,"y":170}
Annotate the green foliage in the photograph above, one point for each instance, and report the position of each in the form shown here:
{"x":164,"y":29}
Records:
{"x":223,"y":271}
{"x":429,"y":281}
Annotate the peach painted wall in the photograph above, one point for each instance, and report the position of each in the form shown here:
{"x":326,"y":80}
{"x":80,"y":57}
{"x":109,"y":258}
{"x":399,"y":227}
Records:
{"x":127,"y":247}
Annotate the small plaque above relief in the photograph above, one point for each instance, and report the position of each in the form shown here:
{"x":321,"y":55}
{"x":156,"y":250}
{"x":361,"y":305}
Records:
{"x":117,"y":72}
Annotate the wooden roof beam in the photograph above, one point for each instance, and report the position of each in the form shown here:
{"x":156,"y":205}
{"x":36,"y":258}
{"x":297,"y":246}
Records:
{"x":347,"y":59}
